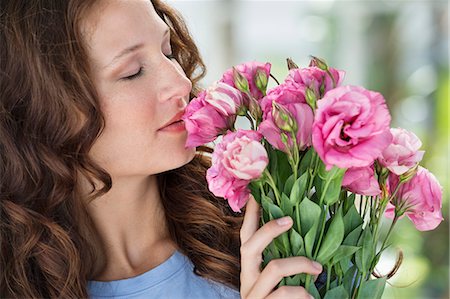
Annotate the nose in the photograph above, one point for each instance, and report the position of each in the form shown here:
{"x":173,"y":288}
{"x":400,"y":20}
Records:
{"x":174,"y":83}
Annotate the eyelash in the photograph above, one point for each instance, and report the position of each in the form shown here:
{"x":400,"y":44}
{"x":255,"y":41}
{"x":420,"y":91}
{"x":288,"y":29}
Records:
{"x":140,"y":72}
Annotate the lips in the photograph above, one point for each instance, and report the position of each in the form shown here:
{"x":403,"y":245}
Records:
{"x":174,"y":119}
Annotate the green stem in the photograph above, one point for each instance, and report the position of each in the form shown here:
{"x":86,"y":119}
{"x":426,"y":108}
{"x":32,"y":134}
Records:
{"x":328,"y":276}
{"x":272,"y":184}
{"x":308,"y":282}
{"x":315,"y":161}
{"x":322,"y":229}
{"x":389,"y":232}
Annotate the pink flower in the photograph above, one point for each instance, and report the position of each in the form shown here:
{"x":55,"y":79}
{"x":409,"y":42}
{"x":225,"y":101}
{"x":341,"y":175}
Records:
{"x":224,"y":98}
{"x":313,"y":78}
{"x":292,"y":100}
{"x":203,"y":121}
{"x":403,"y":153}
{"x":249,"y":71}
{"x":419,"y":198}
{"x":351,"y":127}
{"x":237,"y":160}
{"x":361,"y":180}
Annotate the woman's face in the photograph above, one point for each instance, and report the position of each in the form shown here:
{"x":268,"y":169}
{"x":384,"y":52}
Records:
{"x":140,"y":89}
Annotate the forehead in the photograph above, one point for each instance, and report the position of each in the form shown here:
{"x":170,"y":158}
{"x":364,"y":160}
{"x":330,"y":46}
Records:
{"x":112,"y":24}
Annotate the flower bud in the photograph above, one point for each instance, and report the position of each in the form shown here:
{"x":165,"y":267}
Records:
{"x":283,"y":118}
{"x":255,"y":109}
{"x":409,"y":174}
{"x":291,"y":64}
{"x":261,"y":80}
{"x":242,"y":110}
{"x":318,"y":62}
{"x":311,"y":98}
{"x":240,"y":81}
{"x":284,"y":139}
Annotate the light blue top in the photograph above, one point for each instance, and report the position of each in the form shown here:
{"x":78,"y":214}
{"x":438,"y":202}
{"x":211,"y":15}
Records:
{"x":174,"y":278}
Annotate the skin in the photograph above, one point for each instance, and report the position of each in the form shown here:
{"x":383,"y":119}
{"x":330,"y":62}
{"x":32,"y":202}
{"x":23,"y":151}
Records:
{"x":130,"y":218}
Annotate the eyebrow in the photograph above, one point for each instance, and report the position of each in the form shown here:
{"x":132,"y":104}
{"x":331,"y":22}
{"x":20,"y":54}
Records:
{"x":133,"y":49}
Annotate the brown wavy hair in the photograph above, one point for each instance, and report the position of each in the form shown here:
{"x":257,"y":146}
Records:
{"x":49,"y":118}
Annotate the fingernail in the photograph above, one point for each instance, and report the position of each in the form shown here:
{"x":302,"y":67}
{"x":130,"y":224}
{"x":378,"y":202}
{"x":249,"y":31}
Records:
{"x":284,"y":221}
{"x":311,"y":297}
{"x":317,"y":265}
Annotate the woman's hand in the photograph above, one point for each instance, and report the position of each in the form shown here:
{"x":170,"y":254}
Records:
{"x":260,"y":284}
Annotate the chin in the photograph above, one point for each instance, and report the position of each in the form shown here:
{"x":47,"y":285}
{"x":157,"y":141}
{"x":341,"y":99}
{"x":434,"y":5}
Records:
{"x":184,"y":159}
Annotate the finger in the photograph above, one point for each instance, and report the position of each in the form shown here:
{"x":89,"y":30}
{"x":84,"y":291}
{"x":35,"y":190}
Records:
{"x":251,"y":251}
{"x":251,"y":220}
{"x":278,"y":268}
{"x":290,"y":292}
{"x":249,"y":267}
{"x":254,"y":246}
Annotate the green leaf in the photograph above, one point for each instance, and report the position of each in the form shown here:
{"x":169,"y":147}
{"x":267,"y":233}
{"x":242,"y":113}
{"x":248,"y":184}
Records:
{"x":288,"y":185}
{"x":286,"y":205}
{"x":332,"y":185}
{"x":293,"y":281}
{"x":282,"y":244}
{"x":298,"y":190}
{"x":266,"y":202}
{"x":333,"y":238}
{"x":284,"y":168}
{"x":364,"y":256}
{"x":256,"y":192}
{"x":350,"y":278}
{"x":309,"y":214}
{"x":306,"y":161}
{"x":342,"y":252}
{"x":349,"y":202}
{"x":352,"y":220}
{"x":373,"y":288}
{"x":337,"y":293}
{"x":297,"y":246}
{"x":310,"y":239}
{"x":275,"y":211}
{"x":313,"y":291}
{"x":352,"y":238}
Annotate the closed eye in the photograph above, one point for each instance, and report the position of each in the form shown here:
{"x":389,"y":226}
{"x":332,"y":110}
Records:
{"x":135,"y":75}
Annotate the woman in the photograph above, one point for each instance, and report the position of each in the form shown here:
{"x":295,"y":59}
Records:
{"x":99,"y":196}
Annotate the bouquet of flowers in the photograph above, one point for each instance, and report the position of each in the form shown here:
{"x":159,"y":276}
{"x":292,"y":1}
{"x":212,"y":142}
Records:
{"x":324,"y":154}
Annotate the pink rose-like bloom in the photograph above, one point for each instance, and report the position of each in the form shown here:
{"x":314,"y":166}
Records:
{"x":237,"y":160}
{"x":313,"y":77}
{"x":351,"y":127}
{"x":422,"y":198}
{"x":203,"y":121}
{"x":403,"y":153}
{"x":294,"y":101}
{"x":249,"y":71}
{"x":225,"y":98}
{"x":361,"y":180}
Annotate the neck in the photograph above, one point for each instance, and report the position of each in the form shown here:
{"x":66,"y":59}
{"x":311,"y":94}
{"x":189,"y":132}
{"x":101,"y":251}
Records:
{"x":132,"y":225}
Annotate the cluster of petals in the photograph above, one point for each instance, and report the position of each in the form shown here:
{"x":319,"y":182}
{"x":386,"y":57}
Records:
{"x":403,"y":153}
{"x":211,"y":113}
{"x":420,"y":199}
{"x":351,"y":127}
{"x":361,"y":180}
{"x":237,"y":160}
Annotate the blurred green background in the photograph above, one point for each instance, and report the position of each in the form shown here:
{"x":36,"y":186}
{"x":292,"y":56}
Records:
{"x":399,"y":48}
